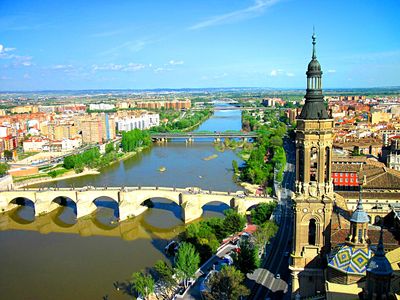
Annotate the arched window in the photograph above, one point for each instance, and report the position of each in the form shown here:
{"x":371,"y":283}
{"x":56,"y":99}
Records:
{"x":301,"y":164}
{"x":327,"y":164}
{"x":313,"y":164}
{"x":312,"y":228}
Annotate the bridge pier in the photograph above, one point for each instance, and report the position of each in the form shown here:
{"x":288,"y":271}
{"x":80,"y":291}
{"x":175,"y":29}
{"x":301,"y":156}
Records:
{"x":189,"y":140}
{"x":130,"y":210}
{"x":43,"y":207}
{"x":217,"y":140}
{"x":84,"y":208}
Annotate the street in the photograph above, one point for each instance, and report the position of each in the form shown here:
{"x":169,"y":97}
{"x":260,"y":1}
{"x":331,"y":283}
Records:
{"x":273,"y":277}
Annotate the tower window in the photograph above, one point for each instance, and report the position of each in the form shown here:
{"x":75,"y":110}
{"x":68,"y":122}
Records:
{"x":313,"y":164}
{"x":311,"y":232}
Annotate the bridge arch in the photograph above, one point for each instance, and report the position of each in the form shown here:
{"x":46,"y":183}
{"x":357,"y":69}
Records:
{"x":22,"y":210}
{"x":107,"y":203}
{"x":143,"y":195}
{"x":63,"y":211}
{"x":218,"y":205}
{"x":163,"y":205}
{"x":62,"y":201}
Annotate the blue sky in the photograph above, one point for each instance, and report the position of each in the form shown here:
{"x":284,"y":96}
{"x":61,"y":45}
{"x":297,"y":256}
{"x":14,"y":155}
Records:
{"x":133,"y":44}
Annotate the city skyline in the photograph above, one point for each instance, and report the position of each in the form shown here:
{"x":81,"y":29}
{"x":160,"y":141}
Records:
{"x":252,"y":43}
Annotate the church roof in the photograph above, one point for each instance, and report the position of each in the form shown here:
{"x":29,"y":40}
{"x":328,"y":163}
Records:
{"x":350,"y":260}
{"x":379,"y":264}
{"x":314,"y":106}
{"x":359,"y":215}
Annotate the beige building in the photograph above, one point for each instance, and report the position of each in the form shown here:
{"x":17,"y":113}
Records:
{"x":97,"y":128}
{"x":25,"y":109}
{"x":380,"y":117}
{"x":55,"y":131}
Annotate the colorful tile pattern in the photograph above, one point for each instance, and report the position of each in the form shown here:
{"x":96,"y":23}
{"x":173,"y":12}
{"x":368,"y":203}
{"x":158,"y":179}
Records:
{"x":350,"y":260}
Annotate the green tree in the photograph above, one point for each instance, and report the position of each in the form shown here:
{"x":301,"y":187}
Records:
{"x":186,"y":262}
{"x":235,"y":166}
{"x":262,"y":213}
{"x":226,"y":285}
{"x":4,"y":167}
{"x":8,"y":155}
{"x":264,"y":233}
{"x":69,"y":162}
{"x":247,"y":259}
{"x":233,"y":222}
{"x":109,"y":147}
{"x":143,"y":284}
{"x":166,"y":282}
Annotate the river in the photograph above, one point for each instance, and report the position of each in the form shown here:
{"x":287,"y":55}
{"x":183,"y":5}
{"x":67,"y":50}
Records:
{"x":56,"y":256}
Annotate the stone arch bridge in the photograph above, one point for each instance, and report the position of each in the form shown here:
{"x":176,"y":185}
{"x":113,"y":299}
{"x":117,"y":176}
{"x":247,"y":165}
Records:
{"x":129,"y":199}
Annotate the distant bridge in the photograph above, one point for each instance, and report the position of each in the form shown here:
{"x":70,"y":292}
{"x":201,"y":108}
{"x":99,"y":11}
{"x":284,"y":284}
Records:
{"x":190,"y":136}
{"x":129,"y":199}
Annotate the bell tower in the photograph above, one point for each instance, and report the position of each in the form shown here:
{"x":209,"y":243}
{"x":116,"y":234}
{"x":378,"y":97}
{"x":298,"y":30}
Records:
{"x":313,"y":199}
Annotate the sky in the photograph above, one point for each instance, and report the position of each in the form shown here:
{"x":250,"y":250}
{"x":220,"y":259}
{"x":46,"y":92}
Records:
{"x":133,"y":44}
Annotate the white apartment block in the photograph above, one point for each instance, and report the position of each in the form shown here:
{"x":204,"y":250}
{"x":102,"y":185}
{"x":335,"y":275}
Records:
{"x":144,"y":121}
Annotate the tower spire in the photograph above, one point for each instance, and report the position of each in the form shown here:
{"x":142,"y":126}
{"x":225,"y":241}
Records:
{"x":380,"y":250}
{"x":314,"y":53}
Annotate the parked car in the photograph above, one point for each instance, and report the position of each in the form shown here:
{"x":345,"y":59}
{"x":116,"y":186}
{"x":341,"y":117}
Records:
{"x":172,"y":248}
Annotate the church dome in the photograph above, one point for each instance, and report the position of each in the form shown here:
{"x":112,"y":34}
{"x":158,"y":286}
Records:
{"x":314,"y":67}
{"x":359,"y":215}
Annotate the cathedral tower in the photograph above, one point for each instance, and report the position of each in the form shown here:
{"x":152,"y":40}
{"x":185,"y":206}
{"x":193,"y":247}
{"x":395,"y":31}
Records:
{"x":313,"y":198}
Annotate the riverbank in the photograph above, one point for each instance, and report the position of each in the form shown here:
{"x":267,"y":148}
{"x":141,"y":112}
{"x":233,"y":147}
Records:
{"x":71,"y":173}
{"x":68,"y":175}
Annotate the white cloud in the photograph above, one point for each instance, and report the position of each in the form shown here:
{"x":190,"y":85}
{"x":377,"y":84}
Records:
{"x":133,"y":67}
{"x":130,"y":67}
{"x":27,"y":76}
{"x":176,"y":62}
{"x":160,"y":70}
{"x":61,"y":67}
{"x":131,"y":46}
{"x":216,"y":76}
{"x":289,"y":74}
{"x":273,"y":73}
{"x":331,"y":71}
{"x":252,"y":11}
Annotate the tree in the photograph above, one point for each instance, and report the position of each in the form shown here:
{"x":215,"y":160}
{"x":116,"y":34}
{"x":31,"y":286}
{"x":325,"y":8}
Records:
{"x":69,"y":162}
{"x":235,"y":166}
{"x":262,"y":213}
{"x":166,"y":282}
{"x":143,"y":284}
{"x":8,"y":155}
{"x":186,"y":262}
{"x":226,"y":285}
{"x":264,"y":233}
{"x":109,"y":147}
{"x":233,"y":222}
{"x":247,"y":259}
{"x":4,"y":167}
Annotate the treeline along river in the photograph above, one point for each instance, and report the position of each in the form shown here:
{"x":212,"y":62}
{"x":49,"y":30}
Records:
{"x":56,"y":256}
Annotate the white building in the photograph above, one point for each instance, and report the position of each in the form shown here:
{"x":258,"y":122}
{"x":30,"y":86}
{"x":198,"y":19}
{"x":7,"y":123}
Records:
{"x":35,"y":144}
{"x":101,"y":106}
{"x":144,"y":121}
{"x":71,"y":144}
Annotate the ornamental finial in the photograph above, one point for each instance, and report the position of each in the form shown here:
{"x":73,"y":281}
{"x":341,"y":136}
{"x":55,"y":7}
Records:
{"x":314,"y":55}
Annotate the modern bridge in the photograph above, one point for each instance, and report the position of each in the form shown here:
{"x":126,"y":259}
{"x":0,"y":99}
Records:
{"x":190,"y":136}
{"x":129,"y":199}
